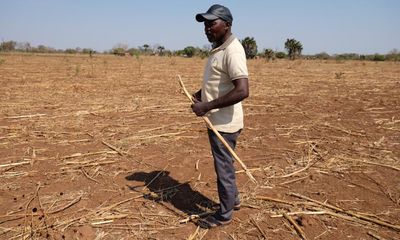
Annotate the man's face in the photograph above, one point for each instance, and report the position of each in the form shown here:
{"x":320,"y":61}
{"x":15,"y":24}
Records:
{"x":215,"y":30}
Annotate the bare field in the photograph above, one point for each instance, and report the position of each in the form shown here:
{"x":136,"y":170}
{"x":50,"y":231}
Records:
{"x":107,"y":148}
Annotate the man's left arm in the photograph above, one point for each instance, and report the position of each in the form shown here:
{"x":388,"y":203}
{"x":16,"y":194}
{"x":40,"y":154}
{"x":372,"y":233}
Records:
{"x":237,"y":94}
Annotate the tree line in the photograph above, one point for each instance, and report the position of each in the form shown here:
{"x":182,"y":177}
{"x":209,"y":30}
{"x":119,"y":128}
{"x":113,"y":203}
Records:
{"x":293,"y":50}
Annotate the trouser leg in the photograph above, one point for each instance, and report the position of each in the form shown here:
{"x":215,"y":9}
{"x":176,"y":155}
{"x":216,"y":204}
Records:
{"x":224,"y":168}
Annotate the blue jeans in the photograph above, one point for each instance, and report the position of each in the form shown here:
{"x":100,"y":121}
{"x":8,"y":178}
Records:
{"x":226,"y":179}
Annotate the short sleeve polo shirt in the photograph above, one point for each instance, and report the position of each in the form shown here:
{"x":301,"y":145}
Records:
{"x":225,"y":64}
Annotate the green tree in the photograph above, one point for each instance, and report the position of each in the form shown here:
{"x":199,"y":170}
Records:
{"x":70,"y":50}
{"x":322,"y":55}
{"x":250,"y":47}
{"x":160,"y":50}
{"x":189,"y":51}
{"x":133,"y":51}
{"x":293,"y":48}
{"x":146,"y":47}
{"x":24,"y":46}
{"x":269,"y":54}
{"x":280,"y":55}
{"x":120,"y":49}
{"x":8,"y":46}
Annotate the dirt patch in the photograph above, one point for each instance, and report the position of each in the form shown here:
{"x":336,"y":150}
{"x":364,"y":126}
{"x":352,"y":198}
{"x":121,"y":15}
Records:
{"x":107,"y":147}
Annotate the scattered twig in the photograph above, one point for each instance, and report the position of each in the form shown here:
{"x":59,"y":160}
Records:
{"x":14,"y":164}
{"x":120,"y":152}
{"x":195,"y":216}
{"x":87,"y":175}
{"x":73,"y":202}
{"x":275,"y":200}
{"x":296,"y":227}
{"x":294,"y":180}
{"x":300,"y":213}
{"x":26,"y":116}
{"x":374,"y":163}
{"x":350,"y":213}
{"x":27,"y":206}
{"x":75,"y":155}
{"x":375,"y":236}
{"x":258,"y":227}
{"x":158,"y":174}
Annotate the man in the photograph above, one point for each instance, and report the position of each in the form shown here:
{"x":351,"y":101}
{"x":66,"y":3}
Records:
{"x":225,"y":85}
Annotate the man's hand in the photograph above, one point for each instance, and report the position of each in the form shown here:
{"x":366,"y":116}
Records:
{"x":197,"y":96}
{"x":200,"y":108}
{"x":237,"y":94}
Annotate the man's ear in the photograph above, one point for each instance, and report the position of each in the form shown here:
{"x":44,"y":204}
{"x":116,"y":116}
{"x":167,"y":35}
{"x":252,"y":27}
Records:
{"x":228,"y":24}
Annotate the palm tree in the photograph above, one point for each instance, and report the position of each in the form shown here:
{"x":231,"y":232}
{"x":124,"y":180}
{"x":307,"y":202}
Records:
{"x":161,"y":50}
{"x":250,"y":47}
{"x":269,"y":54}
{"x":146,"y":46}
{"x":294,"y":48}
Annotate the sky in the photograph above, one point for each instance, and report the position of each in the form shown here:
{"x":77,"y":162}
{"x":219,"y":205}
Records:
{"x":332,"y":26}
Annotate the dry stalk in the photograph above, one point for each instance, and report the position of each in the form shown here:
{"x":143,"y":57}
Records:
{"x":156,"y":136}
{"x":375,"y":236}
{"x":275,"y":200}
{"x":258,"y":227}
{"x":113,"y":148}
{"x":209,"y":124}
{"x":344,"y":130}
{"x":300,"y":213}
{"x":349,"y":213}
{"x":75,"y":155}
{"x":27,"y":205}
{"x":193,"y":235}
{"x":158,"y":174}
{"x":294,"y":180}
{"x":195,"y":216}
{"x":296,"y":227}
{"x":26,"y":116}
{"x":73,"y":202}
{"x":14,"y":164}
{"x":253,"y":169}
{"x":373,"y":163}
{"x":87,"y":175}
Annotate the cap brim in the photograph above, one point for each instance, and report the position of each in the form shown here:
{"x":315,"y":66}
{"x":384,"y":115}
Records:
{"x":201,"y":17}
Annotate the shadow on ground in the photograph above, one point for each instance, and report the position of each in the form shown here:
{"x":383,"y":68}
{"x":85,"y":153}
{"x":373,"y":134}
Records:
{"x":164,"y":188}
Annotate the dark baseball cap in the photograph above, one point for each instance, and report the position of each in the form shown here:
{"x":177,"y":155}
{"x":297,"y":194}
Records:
{"x":214,"y":12}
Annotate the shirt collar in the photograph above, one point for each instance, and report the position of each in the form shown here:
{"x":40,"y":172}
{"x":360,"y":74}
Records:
{"x":225,"y":44}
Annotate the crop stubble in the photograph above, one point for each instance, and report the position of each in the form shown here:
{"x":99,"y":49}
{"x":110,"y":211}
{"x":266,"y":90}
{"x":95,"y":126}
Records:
{"x":107,"y":147}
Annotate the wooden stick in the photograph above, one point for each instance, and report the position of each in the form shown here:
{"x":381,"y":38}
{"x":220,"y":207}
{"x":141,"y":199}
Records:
{"x":296,"y":227}
{"x":209,"y":124}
